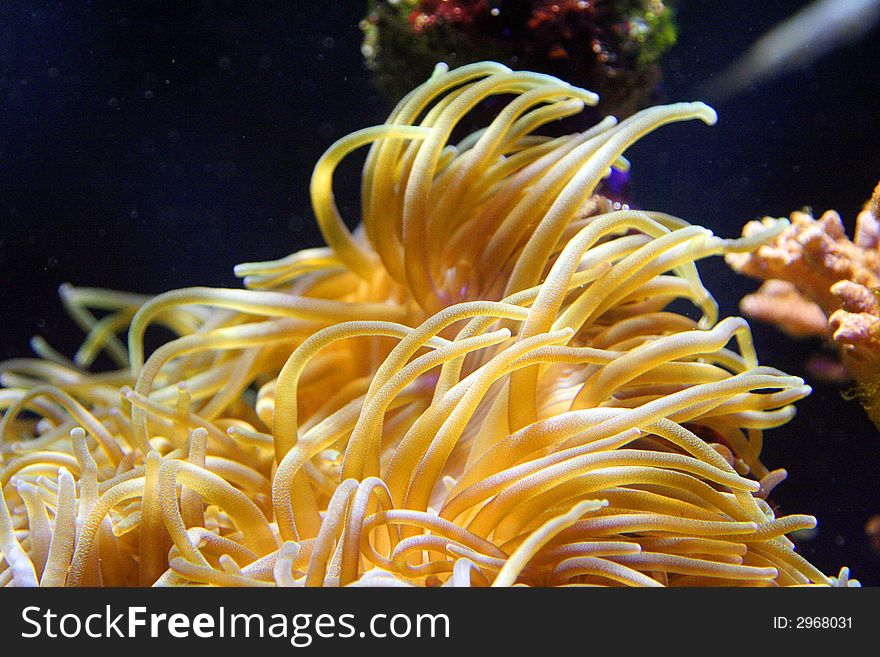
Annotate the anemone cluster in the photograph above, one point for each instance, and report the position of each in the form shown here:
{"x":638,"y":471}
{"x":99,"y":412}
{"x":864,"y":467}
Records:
{"x":483,"y":384}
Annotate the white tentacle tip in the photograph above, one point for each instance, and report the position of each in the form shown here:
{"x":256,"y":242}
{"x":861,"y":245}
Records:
{"x":708,"y":115}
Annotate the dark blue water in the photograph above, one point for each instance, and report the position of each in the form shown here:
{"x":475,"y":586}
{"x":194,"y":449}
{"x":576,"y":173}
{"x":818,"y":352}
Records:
{"x":152,"y":145}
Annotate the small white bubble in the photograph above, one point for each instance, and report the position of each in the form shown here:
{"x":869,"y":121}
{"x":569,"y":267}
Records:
{"x":495,"y":11}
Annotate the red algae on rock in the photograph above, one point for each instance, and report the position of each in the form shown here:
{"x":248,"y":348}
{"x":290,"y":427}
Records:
{"x":610,"y":47}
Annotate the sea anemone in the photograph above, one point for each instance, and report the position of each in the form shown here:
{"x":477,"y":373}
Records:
{"x":483,"y":384}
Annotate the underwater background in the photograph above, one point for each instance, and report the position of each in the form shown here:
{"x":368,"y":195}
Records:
{"x":147,"y":145}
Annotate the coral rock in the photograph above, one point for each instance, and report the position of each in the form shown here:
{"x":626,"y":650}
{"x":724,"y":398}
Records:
{"x":813,"y":270}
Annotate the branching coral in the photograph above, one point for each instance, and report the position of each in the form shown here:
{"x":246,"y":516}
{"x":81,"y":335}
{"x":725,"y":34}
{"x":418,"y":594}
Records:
{"x":820,"y":283}
{"x":480,"y":385}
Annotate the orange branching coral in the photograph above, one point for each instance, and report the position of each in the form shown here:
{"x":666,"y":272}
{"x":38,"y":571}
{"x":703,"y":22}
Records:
{"x":480,"y":385}
{"x":779,"y":302}
{"x":820,"y":283}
